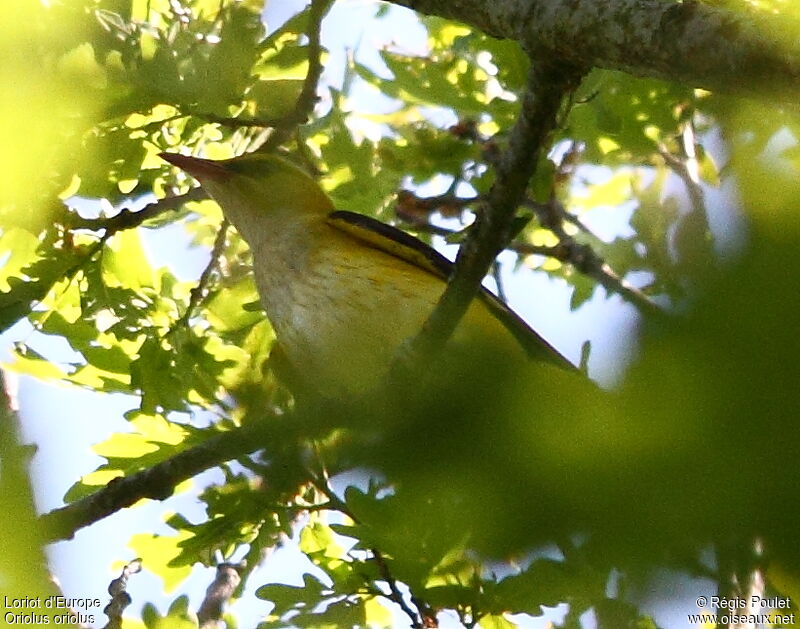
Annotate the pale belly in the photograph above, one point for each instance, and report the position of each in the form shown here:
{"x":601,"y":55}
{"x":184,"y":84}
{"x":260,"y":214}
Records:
{"x":340,"y":317}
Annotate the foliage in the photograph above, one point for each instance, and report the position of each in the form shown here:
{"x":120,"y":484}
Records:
{"x":573,"y":489}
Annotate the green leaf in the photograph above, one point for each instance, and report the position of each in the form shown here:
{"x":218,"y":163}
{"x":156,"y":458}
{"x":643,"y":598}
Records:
{"x":344,"y":613}
{"x":274,"y":98}
{"x":125,"y":263}
{"x":178,"y":616}
{"x":318,"y":541}
{"x":709,"y":172}
{"x":582,"y":291}
{"x":291,"y":597}
{"x":221,"y":80}
{"x":633,"y":114}
{"x":154,"y":374}
{"x":153,"y":440}
{"x":225,"y":309}
{"x":545,"y":583}
{"x":496,"y":622}
{"x":613,"y":192}
{"x":17,"y":250}
{"x":31,"y":363}
{"x":157,"y":553}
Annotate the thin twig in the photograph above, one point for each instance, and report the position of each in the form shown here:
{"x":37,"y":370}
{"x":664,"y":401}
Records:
{"x":197,"y":293}
{"x":498,"y":280}
{"x":410,"y":206}
{"x":697,"y":202}
{"x":308,"y":95}
{"x":238,"y":123}
{"x":125,"y":219}
{"x":581,"y":256}
{"x":396,"y":595}
{"x":552,"y":216}
{"x":304,"y":105}
{"x":425,"y":619}
{"x":41,"y":288}
{"x":556,"y":215}
{"x":128,"y":219}
{"x":423,"y":227}
{"x":307,"y":98}
{"x":589,"y":263}
{"x":693,"y":235}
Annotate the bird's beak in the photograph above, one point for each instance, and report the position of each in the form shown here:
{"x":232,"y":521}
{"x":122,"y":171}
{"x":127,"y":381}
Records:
{"x":197,"y":167}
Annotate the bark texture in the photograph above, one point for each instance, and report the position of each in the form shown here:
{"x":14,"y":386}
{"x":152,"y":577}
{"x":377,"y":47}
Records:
{"x":740,"y":52}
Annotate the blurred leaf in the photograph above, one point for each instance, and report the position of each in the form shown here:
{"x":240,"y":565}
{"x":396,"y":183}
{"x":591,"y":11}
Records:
{"x":159,"y":551}
{"x":125,"y":263}
{"x":274,"y":98}
{"x":634,"y":113}
{"x":17,"y":250}
{"x":496,"y":622}
{"x":583,"y":290}
{"x":696,"y":441}
{"x":178,"y":616}
{"x":287,"y":597}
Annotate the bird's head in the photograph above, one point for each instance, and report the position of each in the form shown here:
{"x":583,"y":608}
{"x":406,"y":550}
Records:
{"x":255,"y":186}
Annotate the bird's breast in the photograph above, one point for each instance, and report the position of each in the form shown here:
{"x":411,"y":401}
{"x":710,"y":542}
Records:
{"x":341,"y":310}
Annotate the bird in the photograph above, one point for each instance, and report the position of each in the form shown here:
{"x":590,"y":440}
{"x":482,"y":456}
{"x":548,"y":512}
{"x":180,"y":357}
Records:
{"x":343,"y":291}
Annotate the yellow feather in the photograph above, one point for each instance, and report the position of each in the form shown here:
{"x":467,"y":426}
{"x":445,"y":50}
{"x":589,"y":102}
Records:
{"x":341,"y":290}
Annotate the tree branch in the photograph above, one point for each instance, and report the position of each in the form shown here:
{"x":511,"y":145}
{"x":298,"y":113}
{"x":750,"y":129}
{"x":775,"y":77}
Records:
{"x":741,"y":52}
{"x":238,"y":123}
{"x":589,"y":263}
{"x":218,"y":593}
{"x":158,"y":481}
{"x":304,"y":106}
{"x":693,"y":237}
{"x":18,"y":304}
{"x":120,"y":598}
{"x":581,"y":256}
{"x":395,"y":595}
{"x":128,"y":219}
{"x":552,"y":215}
{"x":489,"y":235}
{"x":308,"y":94}
{"x":199,"y":291}
{"x":426,"y":618}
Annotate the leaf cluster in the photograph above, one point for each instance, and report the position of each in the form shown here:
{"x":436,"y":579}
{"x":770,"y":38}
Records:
{"x":575,"y":490}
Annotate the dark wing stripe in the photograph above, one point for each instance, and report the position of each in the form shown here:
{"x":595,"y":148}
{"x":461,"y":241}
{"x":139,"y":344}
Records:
{"x":410,"y":249}
{"x":373,"y":232}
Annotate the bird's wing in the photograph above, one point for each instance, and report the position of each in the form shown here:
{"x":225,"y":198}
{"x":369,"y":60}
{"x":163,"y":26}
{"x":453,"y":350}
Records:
{"x":403,"y":246}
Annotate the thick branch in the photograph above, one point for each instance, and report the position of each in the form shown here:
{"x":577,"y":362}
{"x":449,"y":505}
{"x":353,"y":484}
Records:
{"x":698,"y":45}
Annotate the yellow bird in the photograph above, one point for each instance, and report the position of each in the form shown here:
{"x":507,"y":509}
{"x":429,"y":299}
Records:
{"x":342,"y":290}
